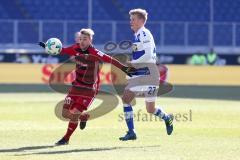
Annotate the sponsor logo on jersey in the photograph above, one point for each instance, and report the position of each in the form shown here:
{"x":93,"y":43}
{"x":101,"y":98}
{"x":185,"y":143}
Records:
{"x":100,"y":53}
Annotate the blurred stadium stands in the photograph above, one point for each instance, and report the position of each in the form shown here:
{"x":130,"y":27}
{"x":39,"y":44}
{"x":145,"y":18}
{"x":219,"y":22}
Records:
{"x":178,"y":26}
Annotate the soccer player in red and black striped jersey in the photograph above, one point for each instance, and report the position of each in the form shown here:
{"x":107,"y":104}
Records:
{"x":86,"y":84}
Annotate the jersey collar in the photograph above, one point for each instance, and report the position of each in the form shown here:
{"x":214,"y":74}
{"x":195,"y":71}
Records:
{"x":139,"y":30}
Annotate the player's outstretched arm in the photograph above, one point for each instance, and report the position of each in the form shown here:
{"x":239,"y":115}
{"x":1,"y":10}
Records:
{"x":108,"y":59}
{"x":128,"y":70}
{"x":65,"y":50}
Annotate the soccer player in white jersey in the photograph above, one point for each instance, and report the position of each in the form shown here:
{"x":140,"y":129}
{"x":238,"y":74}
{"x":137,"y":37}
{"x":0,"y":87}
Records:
{"x":146,"y":80}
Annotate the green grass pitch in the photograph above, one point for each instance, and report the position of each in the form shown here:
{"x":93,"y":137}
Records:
{"x":203,"y":130}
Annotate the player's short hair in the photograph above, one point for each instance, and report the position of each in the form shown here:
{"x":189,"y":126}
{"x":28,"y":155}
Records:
{"x":141,"y":13}
{"x":87,"y":31}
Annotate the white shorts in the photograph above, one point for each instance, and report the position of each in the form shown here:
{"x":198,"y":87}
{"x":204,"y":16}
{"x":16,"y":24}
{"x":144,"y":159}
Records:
{"x":148,"y":91}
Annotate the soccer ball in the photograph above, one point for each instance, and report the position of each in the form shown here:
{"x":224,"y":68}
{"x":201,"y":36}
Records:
{"x":53,"y":46}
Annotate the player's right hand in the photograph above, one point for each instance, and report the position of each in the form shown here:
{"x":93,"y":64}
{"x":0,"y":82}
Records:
{"x":42,"y":44}
{"x":129,"y":70}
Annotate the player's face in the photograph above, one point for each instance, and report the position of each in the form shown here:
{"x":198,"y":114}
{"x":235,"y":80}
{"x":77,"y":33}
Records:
{"x":135,"y":22}
{"x":84,"y":41}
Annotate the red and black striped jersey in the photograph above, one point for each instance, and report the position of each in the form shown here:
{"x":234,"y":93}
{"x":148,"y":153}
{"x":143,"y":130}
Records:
{"x":88,"y":64}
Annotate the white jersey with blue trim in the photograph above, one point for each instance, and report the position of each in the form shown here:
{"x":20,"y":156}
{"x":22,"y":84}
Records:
{"x":144,"y":49}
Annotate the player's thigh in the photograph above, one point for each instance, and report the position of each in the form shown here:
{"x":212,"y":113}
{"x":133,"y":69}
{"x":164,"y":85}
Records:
{"x":79,"y":100}
{"x":68,"y":111}
{"x":81,"y":103}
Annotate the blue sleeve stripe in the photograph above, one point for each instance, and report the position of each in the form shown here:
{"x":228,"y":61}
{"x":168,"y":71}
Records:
{"x":141,"y":71}
{"x":138,"y":54}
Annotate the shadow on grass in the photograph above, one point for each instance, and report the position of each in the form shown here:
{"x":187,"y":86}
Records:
{"x":21,"y":149}
{"x":70,"y":151}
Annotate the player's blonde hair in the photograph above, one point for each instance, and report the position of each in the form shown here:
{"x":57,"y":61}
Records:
{"x":87,"y":31}
{"x":141,"y":13}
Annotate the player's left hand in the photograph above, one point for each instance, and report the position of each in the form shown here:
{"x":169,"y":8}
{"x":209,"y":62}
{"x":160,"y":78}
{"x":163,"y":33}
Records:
{"x":129,"y":70}
{"x":42,"y":44}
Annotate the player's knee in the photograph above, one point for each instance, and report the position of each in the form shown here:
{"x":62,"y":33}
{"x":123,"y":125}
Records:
{"x":65,"y":111}
{"x":150,"y":110}
{"x":75,"y":117}
{"x":124,"y":99}
{"x":127,"y":97}
{"x":64,"y":115}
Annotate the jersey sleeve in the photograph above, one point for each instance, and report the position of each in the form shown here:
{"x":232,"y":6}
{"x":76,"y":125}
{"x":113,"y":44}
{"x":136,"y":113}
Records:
{"x":106,"y":58}
{"x":69,"y":50}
